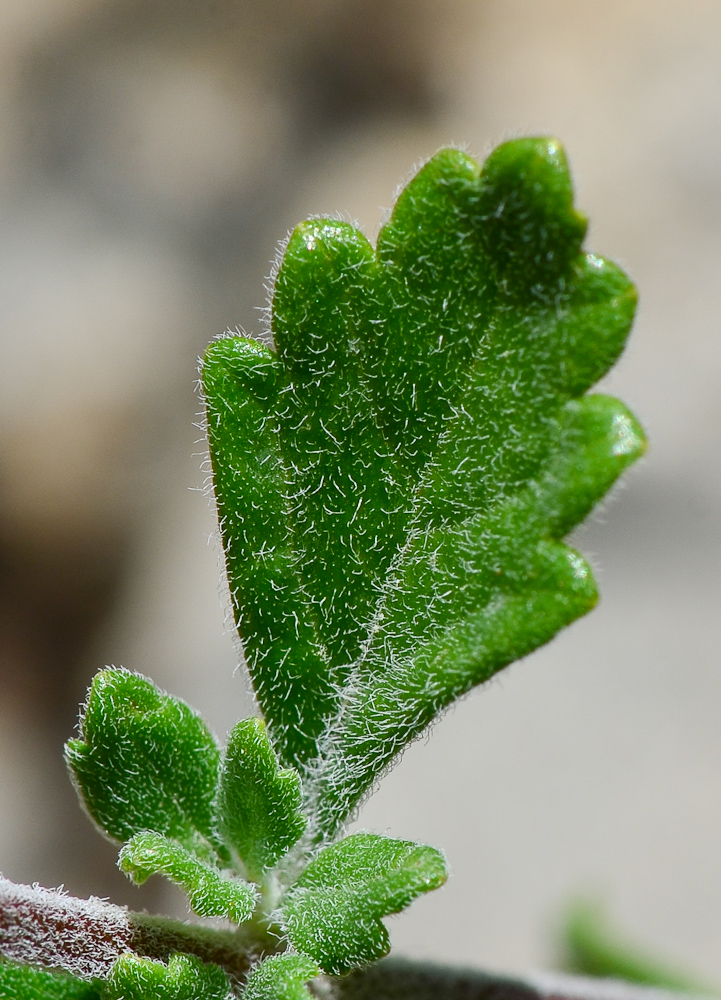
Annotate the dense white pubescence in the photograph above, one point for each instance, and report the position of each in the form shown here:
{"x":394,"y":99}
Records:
{"x":46,"y":927}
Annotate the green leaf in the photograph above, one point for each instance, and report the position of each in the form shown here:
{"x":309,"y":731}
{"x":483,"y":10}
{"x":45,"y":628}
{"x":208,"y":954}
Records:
{"x":470,"y":598}
{"x":334,"y":910}
{"x":210,"y":893}
{"x":395,"y":479}
{"x":282,"y":648}
{"x":281,"y":977}
{"x":593,"y":948}
{"x":183,"y":978}
{"x":145,"y":761}
{"x":259,"y":813}
{"x":22,"y":982}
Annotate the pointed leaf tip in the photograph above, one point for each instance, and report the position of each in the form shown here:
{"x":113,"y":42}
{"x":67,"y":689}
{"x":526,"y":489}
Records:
{"x":259,"y":802}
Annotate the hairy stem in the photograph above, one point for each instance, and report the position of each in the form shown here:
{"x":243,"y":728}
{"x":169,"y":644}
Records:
{"x":47,"y":928}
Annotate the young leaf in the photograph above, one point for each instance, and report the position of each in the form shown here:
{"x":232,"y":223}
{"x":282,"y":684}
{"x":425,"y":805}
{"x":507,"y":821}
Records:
{"x":145,"y":761}
{"x":258,"y":803}
{"x":281,"y":977}
{"x":183,"y":978}
{"x":334,"y":910}
{"x":394,"y":483}
{"x":210,"y":893}
{"x":22,"y":982}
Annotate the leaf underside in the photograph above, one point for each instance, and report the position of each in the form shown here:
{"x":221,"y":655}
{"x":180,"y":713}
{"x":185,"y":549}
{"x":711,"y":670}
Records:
{"x":393,"y":481}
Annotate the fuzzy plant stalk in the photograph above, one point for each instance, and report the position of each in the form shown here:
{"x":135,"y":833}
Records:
{"x":394,"y":478}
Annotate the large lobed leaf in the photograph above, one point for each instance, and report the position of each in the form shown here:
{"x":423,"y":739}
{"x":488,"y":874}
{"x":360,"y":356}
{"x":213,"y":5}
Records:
{"x":394,"y":479}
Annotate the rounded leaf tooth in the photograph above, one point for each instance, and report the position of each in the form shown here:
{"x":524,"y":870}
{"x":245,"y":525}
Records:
{"x":531,"y":232}
{"x":275,"y":619}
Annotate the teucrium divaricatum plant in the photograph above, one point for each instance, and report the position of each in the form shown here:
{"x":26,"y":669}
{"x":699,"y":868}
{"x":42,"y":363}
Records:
{"x":393,"y":478}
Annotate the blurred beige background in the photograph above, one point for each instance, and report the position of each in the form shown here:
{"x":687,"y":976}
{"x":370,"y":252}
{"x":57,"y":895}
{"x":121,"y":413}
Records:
{"x":152,"y":152}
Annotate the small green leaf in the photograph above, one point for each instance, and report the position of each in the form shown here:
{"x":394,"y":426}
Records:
{"x":211,"y":894}
{"x":21,"y":982}
{"x":183,"y":978}
{"x":145,"y":761}
{"x":259,"y":813}
{"x":333,"y":911}
{"x":281,"y":977}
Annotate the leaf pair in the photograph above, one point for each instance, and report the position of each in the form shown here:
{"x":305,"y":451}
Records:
{"x":393,"y":480}
{"x":150,"y":773}
{"x":183,"y":978}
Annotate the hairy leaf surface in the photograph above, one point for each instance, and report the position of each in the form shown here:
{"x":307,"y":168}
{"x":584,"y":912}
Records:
{"x":281,"y":977}
{"x":259,"y":813}
{"x":334,"y":910}
{"x":183,"y":978}
{"x":210,"y":893}
{"x":22,"y":982}
{"x":394,"y":479}
{"x":145,"y":761}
